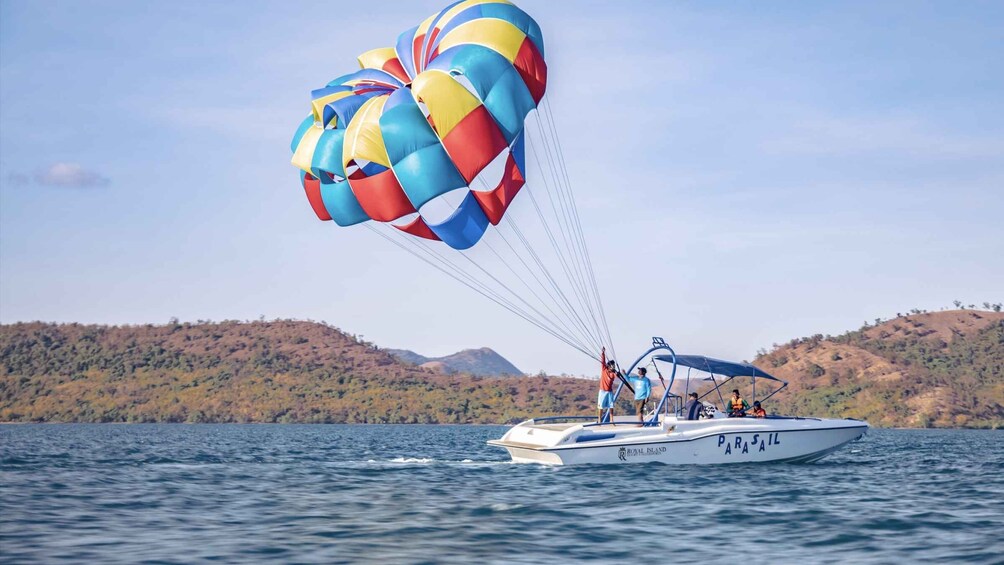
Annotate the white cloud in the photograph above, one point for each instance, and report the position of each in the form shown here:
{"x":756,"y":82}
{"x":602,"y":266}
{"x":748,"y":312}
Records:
{"x":69,"y":175}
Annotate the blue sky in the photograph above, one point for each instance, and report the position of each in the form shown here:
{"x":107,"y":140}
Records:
{"x":746,"y":172}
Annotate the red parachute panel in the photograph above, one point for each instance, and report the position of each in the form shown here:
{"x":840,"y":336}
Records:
{"x":474,"y":142}
{"x":420,"y":228}
{"x":495,"y":202}
{"x":312,"y":186}
{"x":532,"y":68}
{"x":381,"y":197}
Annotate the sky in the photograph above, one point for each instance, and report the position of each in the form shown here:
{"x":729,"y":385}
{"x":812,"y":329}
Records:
{"x":746,"y":172}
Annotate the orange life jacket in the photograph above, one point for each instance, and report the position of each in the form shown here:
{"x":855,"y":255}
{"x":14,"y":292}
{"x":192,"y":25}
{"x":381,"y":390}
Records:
{"x":737,"y":403}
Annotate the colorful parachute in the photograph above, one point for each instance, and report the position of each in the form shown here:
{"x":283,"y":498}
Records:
{"x":424,"y":118}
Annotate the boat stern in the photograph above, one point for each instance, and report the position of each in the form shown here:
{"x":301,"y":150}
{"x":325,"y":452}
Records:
{"x":533,"y":441}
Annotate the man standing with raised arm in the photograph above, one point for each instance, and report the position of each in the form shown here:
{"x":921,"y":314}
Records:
{"x":605,"y":398}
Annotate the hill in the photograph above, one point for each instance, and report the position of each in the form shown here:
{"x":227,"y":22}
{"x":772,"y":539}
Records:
{"x":282,"y":371}
{"x":942,"y":369}
{"x":408,"y":356}
{"x":926,"y":369}
{"x":483,"y":362}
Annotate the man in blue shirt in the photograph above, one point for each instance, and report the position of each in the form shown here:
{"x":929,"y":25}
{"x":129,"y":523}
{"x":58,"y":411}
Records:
{"x":642,"y":391}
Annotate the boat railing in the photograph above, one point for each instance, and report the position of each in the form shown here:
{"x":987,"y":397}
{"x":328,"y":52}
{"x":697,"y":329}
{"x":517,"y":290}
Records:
{"x":628,"y":423}
{"x":558,"y":419}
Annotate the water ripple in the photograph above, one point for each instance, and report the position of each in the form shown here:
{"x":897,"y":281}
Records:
{"x":437,"y":494}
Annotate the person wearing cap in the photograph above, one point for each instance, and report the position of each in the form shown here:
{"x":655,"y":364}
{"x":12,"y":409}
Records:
{"x":737,"y":405}
{"x":758,"y":411}
{"x":605,"y":398}
{"x":642,"y":391}
{"x":694,"y":407}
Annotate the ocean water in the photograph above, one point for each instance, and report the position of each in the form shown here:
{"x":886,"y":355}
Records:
{"x":438,"y":494}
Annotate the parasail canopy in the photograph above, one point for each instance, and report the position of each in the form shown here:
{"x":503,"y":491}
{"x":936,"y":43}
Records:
{"x":428,"y":138}
{"x":424,"y":118}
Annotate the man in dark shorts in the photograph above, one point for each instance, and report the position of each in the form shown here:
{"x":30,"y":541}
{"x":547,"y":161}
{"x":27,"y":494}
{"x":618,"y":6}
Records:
{"x":642,"y":392}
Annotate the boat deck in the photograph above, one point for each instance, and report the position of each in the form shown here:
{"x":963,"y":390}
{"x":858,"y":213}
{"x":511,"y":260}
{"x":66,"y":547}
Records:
{"x":555,"y":427}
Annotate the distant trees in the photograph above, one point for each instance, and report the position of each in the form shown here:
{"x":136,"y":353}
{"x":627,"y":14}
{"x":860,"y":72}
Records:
{"x":933,"y":379}
{"x":991,"y":306}
{"x":290,"y":371}
{"x":283,"y":371}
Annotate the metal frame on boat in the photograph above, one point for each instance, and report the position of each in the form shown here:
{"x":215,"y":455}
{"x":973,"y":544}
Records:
{"x":667,"y":437}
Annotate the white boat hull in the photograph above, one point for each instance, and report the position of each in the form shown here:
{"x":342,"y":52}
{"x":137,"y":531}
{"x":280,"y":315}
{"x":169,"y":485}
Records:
{"x":712,"y":441}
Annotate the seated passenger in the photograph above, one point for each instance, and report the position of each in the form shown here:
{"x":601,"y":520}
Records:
{"x":758,"y":411}
{"x":737,"y":406}
{"x":694,"y":407}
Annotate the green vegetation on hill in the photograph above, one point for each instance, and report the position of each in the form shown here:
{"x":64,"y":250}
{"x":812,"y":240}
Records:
{"x":283,"y":371}
{"x":942,"y":369}
{"x":938,"y":369}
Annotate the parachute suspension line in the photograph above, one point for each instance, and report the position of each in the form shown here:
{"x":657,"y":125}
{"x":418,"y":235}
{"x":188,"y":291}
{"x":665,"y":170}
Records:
{"x":510,"y":291}
{"x":562,"y":304}
{"x":566,"y":227}
{"x":578,"y":221}
{"x":569,"y":274}
{"x":540,"y":321}
{"x":496,"y":295}
{"x":557,"y":323}
{"x":586,"y":337}
{"x":583,"y":327}
{"x":564,"y":262}
{"x":565,"y":196}
{"x":571,"y":253}
{"x":568,"y":256}
{"x":596,"y":340}
{"x":464,"y":278}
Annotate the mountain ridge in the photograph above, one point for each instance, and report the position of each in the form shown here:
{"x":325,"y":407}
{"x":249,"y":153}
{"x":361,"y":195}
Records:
{"x":940,"y":369}
{"x":482,"y":362}
{"x":924,"y":369}
{"x":280,"y":371}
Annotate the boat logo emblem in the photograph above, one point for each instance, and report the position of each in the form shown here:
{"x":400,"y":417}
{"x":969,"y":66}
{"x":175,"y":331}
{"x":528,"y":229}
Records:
{"x":625,"y":452}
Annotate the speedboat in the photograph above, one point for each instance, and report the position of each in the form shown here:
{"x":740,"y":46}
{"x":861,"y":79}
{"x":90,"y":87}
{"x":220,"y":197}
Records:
{"x":666,"y":436}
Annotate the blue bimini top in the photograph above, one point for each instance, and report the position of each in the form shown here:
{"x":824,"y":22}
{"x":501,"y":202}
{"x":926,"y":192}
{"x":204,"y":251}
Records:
{"x":717,"y":366}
